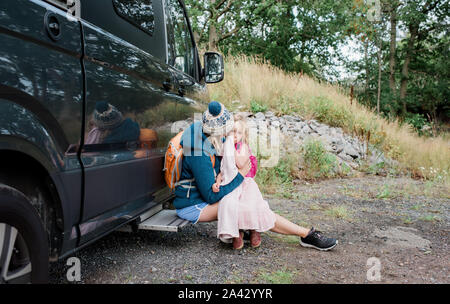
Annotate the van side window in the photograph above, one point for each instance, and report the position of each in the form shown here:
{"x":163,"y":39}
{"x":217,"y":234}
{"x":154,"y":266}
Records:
{"x":138,"y":12}
{"x":180,"y":46}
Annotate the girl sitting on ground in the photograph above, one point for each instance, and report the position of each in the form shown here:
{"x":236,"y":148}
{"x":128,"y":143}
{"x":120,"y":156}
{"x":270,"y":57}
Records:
{"x":245,"y":208}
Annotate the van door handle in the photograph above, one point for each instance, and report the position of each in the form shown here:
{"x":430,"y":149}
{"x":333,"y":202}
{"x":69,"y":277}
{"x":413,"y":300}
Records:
{"x":52,"y":26}
{"x":167,"y":85}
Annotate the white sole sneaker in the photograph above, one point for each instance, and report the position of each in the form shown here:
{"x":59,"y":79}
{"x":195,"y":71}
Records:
{"x":321,"y":249}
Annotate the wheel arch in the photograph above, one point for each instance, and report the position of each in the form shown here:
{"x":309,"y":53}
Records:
{"x":30,"y":175}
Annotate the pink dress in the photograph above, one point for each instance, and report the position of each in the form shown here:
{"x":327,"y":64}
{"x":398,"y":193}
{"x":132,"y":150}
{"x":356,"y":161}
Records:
{"x":244,"y":208}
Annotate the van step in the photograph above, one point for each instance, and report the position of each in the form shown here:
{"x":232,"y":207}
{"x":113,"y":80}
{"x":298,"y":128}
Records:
{"x":158,"y":219}
{"x":165,"y":220}
{"x":155,"y":209}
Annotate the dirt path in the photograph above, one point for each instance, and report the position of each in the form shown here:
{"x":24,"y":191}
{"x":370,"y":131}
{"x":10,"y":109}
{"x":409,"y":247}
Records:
{"x":399,"y":226}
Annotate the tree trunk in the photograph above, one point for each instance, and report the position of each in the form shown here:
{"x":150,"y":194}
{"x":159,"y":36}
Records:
{"x":413,"y":30}
{"x":212,"y":37}
{"x":366,"y":61}
{"x":392,"y":47}
{"x":379,"y":75}
{"x":212,"y":46}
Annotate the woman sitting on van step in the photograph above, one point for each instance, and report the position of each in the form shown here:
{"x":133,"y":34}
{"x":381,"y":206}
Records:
{"x":197,"y":202}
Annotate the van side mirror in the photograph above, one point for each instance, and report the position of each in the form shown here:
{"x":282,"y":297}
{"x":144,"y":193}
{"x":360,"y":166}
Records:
{"x":214,"y":67}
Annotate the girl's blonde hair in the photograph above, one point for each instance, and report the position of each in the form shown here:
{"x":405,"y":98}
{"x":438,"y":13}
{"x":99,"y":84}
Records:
{"x":239,"y":118}
{"x":216,"y":141}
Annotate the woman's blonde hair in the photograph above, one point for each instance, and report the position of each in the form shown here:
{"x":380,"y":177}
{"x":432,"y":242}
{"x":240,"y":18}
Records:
{"x":239,"y":118}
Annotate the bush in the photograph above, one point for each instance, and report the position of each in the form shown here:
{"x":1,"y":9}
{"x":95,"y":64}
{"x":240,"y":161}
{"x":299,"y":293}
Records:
{"x":255,"y":107}
{"x":326,"y":111}
{"x":417,"y":121}
{"x":318,"y":163}
{"x":278,"y":179}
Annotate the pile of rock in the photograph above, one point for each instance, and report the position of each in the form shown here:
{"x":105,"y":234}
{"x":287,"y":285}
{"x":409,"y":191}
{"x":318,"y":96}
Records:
{"x":294,"y":131}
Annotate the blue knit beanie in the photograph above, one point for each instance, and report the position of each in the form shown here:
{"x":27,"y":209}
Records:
{"x":106,"y":116}
{"x":217,"y":120}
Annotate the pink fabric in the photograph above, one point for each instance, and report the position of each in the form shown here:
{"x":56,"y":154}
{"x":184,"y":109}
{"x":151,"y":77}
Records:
{"x":243,"y":208}
{"x":253,"y":160}
{"x":93,"y":136}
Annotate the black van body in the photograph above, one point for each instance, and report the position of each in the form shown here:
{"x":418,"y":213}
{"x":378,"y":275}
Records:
{"x":65,"y":182}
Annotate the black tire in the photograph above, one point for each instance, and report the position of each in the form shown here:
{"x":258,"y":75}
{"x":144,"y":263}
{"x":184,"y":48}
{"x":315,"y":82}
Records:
{"x":31,"y":245}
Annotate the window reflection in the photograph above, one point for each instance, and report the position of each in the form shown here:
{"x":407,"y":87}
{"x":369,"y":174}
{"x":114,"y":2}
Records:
{"x":107,"y":125}
{"x":180,"y":47}
{"x":138,"y":12}
{"x":112,"y":137}
{"x":214,"y":68}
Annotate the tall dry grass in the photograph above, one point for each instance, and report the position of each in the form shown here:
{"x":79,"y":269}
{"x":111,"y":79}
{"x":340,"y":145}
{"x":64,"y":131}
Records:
{"x":252,"y":80}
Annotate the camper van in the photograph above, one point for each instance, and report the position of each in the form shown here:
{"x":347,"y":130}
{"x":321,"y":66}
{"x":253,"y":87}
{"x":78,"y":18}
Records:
{"x":89,"y":93}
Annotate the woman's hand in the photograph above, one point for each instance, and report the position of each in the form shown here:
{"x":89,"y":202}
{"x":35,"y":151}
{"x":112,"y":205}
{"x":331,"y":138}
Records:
{"x":245,"y":168}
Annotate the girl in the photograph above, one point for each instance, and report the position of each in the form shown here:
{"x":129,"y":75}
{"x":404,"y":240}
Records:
{"x":244,"y":208}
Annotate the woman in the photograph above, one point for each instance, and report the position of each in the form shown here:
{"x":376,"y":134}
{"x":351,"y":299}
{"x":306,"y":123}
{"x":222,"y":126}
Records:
{"x":194,"y":198}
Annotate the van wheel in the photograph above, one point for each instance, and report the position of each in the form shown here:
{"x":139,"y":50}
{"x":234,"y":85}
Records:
{"x":24,"y":250}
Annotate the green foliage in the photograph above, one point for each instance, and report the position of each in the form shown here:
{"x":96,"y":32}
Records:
{"x":427,"y":89}
{"x":417,"y":121}
{"x":256,"y":107}
{"x":296,"y":36}
{"x":308,"y":36}
{"x":326,"y":111}
{"x":279,"y":179}
{"x":318,"y":163}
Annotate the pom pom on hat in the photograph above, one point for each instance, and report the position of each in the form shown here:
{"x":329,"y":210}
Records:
{"x":101,"y":106}
{"x":214,"y":108}
{"x":106,"y":116}
{"x":216,"y":120}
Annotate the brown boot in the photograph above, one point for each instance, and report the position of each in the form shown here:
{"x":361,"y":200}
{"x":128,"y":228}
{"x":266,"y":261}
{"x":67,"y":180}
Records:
{"x":238,"y":242}
{"x":255,"y":238}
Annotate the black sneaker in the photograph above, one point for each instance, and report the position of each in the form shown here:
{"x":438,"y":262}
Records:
{"x":315,"y":239}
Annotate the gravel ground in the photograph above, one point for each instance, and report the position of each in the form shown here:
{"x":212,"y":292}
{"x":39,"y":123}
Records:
{"x":402,"y":223}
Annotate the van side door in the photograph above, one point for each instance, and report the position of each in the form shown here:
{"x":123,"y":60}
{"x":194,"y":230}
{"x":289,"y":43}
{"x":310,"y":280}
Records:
{"x":131,"y":101}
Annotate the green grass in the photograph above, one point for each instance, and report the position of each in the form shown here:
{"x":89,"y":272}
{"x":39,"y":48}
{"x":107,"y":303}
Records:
{"x":318,"y":163}
{"x":256,"y":107}
{"x":429,"y":218}
{"x":278,"y":277}
{"x":340,"y":212}
{"x":315,"y":207}
{"x":287,"y":239}
{"x":407,"y":221}
{"x":385,"y":192}
{"x":278,"y":180}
